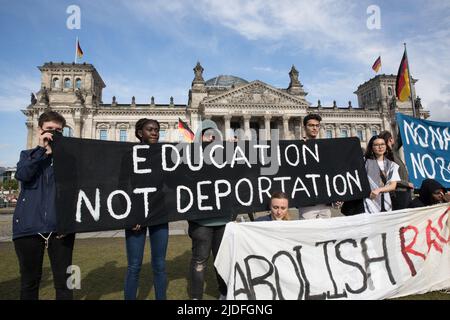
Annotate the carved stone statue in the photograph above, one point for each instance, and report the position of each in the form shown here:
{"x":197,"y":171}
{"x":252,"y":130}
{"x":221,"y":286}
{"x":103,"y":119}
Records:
{"x":44,"y":96}
{"x":152,"y":100}
{"x":418,"y":103}
{"x":79,"y":96}
{"x":133,"y":100}
{"x":393,"y":103}
{"x":293,"y":74}
{"x":33,"y":99}
{"x":198,"y":71}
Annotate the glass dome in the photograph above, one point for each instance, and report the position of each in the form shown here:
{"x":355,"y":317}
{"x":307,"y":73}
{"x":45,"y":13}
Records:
{"x":225,"y":81}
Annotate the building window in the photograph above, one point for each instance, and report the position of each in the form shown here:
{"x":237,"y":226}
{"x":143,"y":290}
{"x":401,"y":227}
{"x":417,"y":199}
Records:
{"x":103,"y":134}
{"x":67,"y":83}
{"x":162,"y":135}
{"x":374,"y":132}
{"x":329,"y":133}
{"x":344,"y":133}
{"x":55,"y":83}
{"x":123,"y":135}
{"x":78,"y":83}
{"x":360,"y":134}
{"x":389,"y":91}
{"x":67,"y":132}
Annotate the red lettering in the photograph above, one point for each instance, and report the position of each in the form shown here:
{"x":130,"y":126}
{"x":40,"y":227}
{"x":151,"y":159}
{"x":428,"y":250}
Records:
{"x":441,"y":223}
{"x":409,"y":248}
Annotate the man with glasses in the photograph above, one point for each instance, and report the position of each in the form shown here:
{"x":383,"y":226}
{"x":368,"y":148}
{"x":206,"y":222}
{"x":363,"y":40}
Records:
{"x":312,"y":127}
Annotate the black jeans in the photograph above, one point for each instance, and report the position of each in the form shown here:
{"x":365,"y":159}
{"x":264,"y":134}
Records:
{"x":204,"y":240}
{"x":30,"y":252}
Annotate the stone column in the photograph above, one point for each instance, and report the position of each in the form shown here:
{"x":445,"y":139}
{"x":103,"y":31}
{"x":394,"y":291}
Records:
{"x":175,"y":136}
{"x":336,"y":130}
{"x":247,"y":126}
{"x":297,"y":128}
{"x":113,"y":131}
{"x":353,"y":130}
{"x":77,"y":130}
{"x":267,"y":119}
{"x":322,"y":131}
{"x":368,"y":133}
{"x":285,"y":127}
{"x":29,"y":125}
{"x":227,"y":133}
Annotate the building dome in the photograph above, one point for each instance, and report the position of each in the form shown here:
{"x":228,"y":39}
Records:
{"x":225,"y":81}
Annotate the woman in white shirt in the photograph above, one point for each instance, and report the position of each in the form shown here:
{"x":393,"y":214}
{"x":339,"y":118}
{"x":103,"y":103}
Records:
{"x":383,"y":176}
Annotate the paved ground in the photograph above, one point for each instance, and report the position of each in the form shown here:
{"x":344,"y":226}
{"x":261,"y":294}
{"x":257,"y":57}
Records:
{"x":175,"y":228}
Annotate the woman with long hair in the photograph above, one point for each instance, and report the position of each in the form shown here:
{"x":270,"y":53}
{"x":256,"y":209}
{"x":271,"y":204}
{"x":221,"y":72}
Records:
{"x":147,"y":131}
{"x":383,"y":176}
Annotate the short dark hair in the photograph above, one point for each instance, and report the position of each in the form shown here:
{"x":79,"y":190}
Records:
{"x":49,"y":116}
{"x":312,"y":116}
{"x":140,"y":124}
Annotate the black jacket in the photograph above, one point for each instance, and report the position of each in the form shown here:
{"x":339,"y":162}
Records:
{"x":425,"y":194}
{"x":35,"y":209}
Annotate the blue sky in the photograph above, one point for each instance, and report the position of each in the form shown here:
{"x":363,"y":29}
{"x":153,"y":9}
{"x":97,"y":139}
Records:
{"x":148,"y":48}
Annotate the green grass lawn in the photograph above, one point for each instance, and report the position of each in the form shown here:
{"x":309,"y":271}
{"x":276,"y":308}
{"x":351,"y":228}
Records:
{"x":103,"y":265}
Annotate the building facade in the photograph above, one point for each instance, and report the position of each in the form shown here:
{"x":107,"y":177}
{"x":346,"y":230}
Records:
{"x":75,"y":91}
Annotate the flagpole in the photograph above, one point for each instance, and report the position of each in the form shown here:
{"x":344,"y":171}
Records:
{"x":381,"y":69}
{"x":410,"y":83}
{"x":76,"y":49}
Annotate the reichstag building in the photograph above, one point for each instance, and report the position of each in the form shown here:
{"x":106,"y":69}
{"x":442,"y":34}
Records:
{"x":75,"y":91}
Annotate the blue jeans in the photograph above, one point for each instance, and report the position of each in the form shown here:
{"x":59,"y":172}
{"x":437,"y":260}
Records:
{"x":135,"y":243}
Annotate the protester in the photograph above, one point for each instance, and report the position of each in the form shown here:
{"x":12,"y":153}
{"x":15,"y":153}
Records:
{"x":382,"y":174}
{"x":279,"y":208}
{"x":312,"y":126}
{"x":34,"y":220}
{"x":147,"y":131}
{"x":401,"y":196}
{"x":206,"y":236}
{"x":431,"y":192}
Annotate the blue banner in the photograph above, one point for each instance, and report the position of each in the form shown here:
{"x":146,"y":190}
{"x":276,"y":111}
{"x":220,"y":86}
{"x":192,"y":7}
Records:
{"x":426,"y":148}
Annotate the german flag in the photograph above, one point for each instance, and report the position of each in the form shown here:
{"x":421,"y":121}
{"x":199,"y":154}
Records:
{"x":185,"y":130}
{"x":79,"y":51}
{"x":377,"y":65}
{"x":402,"y":85}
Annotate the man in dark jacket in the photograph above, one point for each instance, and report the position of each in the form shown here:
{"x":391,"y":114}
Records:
{"x":401,"y":197}
{"x":431,"y":192}
{"x":34,"y":221}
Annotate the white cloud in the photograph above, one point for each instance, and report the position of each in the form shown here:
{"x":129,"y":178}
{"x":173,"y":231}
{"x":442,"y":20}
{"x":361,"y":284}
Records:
{"x":15,"y":91}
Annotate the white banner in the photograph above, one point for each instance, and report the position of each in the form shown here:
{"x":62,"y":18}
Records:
{"x":375,"y":256}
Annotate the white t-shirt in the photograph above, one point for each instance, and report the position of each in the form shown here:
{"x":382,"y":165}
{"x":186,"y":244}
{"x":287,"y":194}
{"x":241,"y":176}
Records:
{"x":395,"y":174}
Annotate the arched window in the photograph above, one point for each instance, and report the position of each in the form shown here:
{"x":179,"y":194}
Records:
{"x":344,"y":133}
{"x":67,"y":83}
{"x":123,"y":135}
{"x":360,"y":134}
{"x":67,"y":132}
{"x":55,"y":83}
{"x":78,"y":83}
{"x":103,"y":134}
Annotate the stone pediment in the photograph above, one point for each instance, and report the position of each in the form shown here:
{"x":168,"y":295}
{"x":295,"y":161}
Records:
{"x":256,"y":93}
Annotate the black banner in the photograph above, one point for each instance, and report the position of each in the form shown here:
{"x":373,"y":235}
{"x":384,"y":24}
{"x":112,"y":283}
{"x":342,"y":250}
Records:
{"x":105,"y":185}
